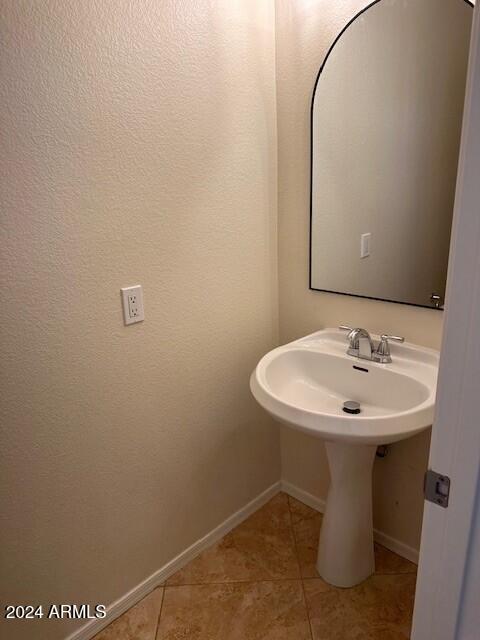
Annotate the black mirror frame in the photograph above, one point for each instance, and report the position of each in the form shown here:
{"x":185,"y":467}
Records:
{"x":322,"y":66}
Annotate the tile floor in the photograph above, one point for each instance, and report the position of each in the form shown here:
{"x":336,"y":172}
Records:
{"x":260,"y":583}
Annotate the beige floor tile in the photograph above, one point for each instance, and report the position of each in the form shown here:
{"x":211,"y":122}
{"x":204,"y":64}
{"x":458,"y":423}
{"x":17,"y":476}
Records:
{"x":253,"y":611}
{"x":306,"y":526}
{"x":379,"y":609}
{"x":306,"y":529}
{"x":387,"y":562}
{"x":138,"y":623}
{"x":261,"y":548}
{"x":299,"y":510}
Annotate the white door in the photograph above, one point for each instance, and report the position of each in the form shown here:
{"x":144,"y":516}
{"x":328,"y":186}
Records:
{"x":447,"y":605}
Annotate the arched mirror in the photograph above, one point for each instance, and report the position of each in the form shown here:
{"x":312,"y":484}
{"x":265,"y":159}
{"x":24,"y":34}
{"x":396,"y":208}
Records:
{"x":385,"y":124}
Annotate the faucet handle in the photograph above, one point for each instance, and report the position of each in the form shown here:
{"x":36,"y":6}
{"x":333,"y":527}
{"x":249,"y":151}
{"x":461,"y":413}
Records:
{"x":350,"y":330}
{"x":382,"y":353}
{"x":386,"y":337}
{"x":344,"y":327}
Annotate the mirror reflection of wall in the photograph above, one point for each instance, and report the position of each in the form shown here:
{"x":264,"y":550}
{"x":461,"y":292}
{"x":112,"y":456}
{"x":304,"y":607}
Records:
{"x":386,"y":124}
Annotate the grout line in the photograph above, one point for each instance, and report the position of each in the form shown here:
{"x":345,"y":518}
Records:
{"x":157,"y":628}
{"x":300,"y":569}
{"x":292,"y":529}
{"x":379,"y":575}
{"x":395,"y":573}
{"x":307,"y":610}
{"x":112,"y":622}
{"x":231,"y":582}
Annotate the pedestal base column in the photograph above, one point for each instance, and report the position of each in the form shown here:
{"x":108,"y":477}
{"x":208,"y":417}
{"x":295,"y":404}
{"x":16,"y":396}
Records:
{"x":345,"y":551}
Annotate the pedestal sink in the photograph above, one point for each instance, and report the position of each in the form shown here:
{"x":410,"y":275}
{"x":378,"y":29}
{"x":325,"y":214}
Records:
{"x":304,"y":384}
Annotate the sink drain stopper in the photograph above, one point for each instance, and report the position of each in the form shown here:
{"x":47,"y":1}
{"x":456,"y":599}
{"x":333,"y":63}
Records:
{"x":350,"y":406}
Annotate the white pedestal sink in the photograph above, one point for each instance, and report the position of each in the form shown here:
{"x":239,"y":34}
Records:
{"x":304,"y":384}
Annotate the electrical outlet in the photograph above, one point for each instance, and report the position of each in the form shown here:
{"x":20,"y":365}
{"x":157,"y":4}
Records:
{"x":132,"y":298}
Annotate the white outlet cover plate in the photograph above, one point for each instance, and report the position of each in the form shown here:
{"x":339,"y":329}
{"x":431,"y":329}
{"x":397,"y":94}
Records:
{"x":132,"y":300}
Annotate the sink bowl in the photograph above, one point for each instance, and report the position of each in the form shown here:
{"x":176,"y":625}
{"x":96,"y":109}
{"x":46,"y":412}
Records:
{"x":304,"y":384}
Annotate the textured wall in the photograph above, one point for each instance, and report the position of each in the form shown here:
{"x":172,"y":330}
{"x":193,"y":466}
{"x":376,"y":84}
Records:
{"x":139,"y":147}
{"x":304,"y":32}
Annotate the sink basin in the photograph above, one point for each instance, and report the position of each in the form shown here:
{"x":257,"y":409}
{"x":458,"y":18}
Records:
{"x":304,"y":384}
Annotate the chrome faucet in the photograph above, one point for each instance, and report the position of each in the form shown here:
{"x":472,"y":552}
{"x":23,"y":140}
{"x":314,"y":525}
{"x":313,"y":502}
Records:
{"x":361,"y":345}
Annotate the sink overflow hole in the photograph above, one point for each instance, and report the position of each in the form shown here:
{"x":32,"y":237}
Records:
{"x":360,"y":368}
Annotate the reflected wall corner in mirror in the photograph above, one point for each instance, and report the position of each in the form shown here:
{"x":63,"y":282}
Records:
{"x":386,"y":121}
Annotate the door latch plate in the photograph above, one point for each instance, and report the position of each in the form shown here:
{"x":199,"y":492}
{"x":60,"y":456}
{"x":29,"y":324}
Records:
{"x":437,"y":488}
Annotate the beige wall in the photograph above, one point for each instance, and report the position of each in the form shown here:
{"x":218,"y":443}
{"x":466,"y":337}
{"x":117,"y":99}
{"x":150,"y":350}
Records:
{"x":139,"y":147}
{"x":304,"y":32}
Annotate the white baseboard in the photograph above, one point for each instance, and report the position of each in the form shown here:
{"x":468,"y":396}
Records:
{"x":318,"y":504}
{"x":304,"y":496}
{"x":87,"y":631}
{"x":397,"y":546}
